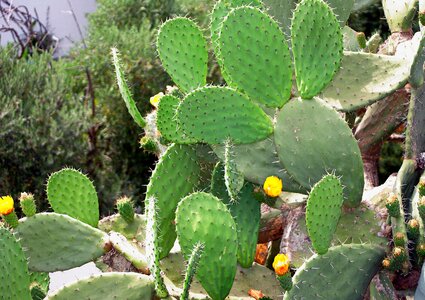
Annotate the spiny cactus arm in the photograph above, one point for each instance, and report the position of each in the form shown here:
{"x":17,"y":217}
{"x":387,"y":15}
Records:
{"x":372,"y":44}
{"x":125,"y":91}
{"x":233,"y":179}
{"x":113,"y":285}
{"x":152,"y":246}
{"x":71,"y":192}
{"x":192,"y":265}
{"x":14,"y":276}
{"x":54,"y":242}
{"x":418,"y":213}
{"x":400,"y":14}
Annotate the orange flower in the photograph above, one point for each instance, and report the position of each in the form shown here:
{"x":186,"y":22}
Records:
{"x":281,"y":264}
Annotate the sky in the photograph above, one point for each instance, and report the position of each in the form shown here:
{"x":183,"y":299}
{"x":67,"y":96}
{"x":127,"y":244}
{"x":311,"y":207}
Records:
{"x":57,"y":14}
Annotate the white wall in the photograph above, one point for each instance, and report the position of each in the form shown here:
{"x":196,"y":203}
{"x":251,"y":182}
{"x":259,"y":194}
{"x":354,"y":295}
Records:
{"x":61,"y":21}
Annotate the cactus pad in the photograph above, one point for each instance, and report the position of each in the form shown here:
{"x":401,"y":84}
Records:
{"x":312,"y":140}
{"x":370,"y":78}
{"x":323,"y":211}
{"x":259,"y":160}
{"x":14,"y":276}
{"x":167,"y":122}
{"x":175,"y":176}
{"x":256,"y":56}
{"x":130,"y":252}
{"x":316,"y":45}
{"x":246,"y":213}
{"x":214,"y":114}
{"x":108,"y":286}
{"x":347,"y":269}
{"x":55,"y":242}
{"x":71,"y":192}
{"x":201,"y":217}
{"x":183,"y":52}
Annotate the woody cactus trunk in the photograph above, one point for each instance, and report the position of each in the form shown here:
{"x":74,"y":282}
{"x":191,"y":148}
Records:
{"x":274,"y":136}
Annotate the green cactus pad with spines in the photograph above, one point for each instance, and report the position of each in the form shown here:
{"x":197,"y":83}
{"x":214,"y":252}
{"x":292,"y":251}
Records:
{"x":348,"y":269}
{"x":246,"y":212}
{"x":125,"y":91}
{"x":54,"y":242}
{"x":312,"y":140}
{"x":107,"y":286}
{"x":215,"y":114}
{"x":14,"y":276}
{"x":316,"y":45}
{"x":183,"y":52}
{"x":259,"y":160}
{"x":370,"y":78}
{"x":323,"y":212}
{"x":400,"y":14}
{"x":175,"y":176}
{"x":232,"y":177}
{"x":202,"y":217}
{"x":257,"y":277}
{"x":71,"y":192}
{"x":221,"y":9}
{"x":27,"y":204}
{"x":256,"y":56}
{"x":167,"y":122}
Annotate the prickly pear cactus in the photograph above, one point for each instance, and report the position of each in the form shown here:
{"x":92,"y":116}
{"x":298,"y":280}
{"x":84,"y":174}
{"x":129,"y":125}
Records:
{"x":14,"y":276}
{"x":71,"y":192}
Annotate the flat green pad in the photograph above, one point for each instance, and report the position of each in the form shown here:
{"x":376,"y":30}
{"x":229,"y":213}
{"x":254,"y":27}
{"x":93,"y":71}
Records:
{"x":125,"y":91}
{"x":108,"y":286}
{"x":215,"y":114}
{"x":371,"y":77}
{"x":259,"y":160}
{"x":72,"y":193}
{"x":312,"y":140}
{"x":256,"y":56}
{"x":175,"y":176}
{"x":317,"y":46}
{"x":54,"y":242}
{"x":14,"y":276}
{"x":201,"y":217}
{"x":183,"y":52}
{"x":133,"y":231}
{"x":167,"y":122}
{"x":246,"y":212}
{"x":245,"y":279}
{"x":342,"y":273}
{"x":221,"y":9}
{"x":323,"y":212}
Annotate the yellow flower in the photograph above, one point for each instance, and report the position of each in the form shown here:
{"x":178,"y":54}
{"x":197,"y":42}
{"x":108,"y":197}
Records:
{"x":281,"y":264}
{"x":273,"y":186}
{"x":6,"y":205}
{"x":155,"y":99}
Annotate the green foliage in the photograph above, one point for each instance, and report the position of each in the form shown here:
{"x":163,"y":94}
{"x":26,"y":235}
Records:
{"x":43,"y":121}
